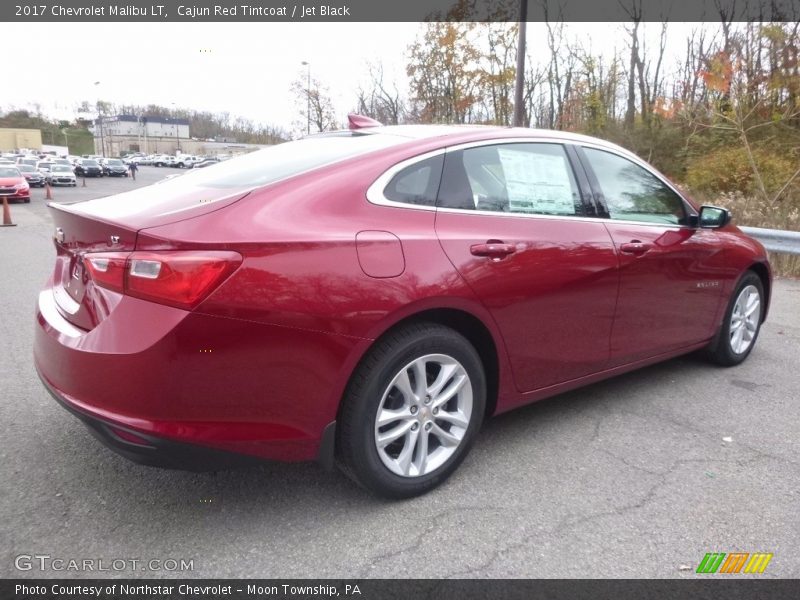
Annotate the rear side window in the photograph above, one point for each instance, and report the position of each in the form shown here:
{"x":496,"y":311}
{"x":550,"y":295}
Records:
{"x":632,"y":193}
{"x":520,"y":178}
{"x":416,"y":184}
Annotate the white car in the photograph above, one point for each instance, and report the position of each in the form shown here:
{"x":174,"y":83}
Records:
{"x":61,"y":175}
{"x":162,"y":160}
{"x":185,"y":161}
{"x":44,"y":166}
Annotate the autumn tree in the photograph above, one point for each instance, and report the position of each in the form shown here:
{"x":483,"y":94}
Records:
{"x":443,"y":73}
{"x":380,"y":99}
{"x":314,"y":105}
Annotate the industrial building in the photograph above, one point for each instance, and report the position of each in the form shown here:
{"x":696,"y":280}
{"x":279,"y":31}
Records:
{"x":14,"y":139}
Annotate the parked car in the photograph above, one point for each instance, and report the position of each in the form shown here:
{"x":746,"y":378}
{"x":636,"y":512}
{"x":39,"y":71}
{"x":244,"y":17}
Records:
{"x":205,"y":163}
{"x":33,"y":176}
{"x":185,"y":161}
{"x":114,"y":167}
{"x":162,"y":160}
{"x":13,"y":185}
{"x":61,"y":175}
{"x":368,"y":298}
{"x":88,"y":167}
{"x":43,"y":166}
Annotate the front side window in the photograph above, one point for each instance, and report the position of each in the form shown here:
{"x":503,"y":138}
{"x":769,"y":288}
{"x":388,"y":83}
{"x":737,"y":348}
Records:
{"x":632,"y":193}
{"x":520,"y":178}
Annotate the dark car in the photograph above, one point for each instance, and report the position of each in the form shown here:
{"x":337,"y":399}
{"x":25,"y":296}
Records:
{"x":368,"y":298}
{"x":206,"y":162}
{"x":114,"y":167}
{"x":88,"y":167}
{"x":32,"y":175}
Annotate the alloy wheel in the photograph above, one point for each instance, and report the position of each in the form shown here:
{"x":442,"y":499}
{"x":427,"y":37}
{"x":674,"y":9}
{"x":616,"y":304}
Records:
{"x":423,"y":415}
{"x":745,"y":319}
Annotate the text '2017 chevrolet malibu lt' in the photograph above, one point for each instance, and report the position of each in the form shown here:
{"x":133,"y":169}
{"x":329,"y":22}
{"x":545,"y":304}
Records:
{"x":369,"y":297}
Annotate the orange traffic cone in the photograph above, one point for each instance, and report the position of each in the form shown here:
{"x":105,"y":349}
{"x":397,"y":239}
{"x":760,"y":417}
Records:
{"x":48,"y":195}
{"x":7,"y":214}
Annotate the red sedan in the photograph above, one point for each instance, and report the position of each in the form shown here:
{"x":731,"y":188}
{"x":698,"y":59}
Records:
{"x":13,"y":185}
{"x":369,"y":297}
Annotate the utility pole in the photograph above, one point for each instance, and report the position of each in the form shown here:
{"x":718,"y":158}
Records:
{"x":177,"y":137}
{"x":519,"y":109}
{"x":100,"y":122}
{"x":308,"y":96}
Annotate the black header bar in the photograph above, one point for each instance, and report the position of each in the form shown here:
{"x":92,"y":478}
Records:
{"x":186,"y":11}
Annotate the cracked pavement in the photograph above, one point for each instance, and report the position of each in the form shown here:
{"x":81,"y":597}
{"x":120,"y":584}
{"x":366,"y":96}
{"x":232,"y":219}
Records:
{"x":631,"y":477}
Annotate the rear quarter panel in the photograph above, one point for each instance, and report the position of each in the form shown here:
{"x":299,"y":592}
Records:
{"x":301,"y":273}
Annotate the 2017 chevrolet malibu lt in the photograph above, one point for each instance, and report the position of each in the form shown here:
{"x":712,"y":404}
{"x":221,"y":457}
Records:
{"x":370,"y":297}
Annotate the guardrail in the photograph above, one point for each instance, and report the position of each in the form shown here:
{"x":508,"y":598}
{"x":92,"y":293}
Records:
{"x":776,"y":240}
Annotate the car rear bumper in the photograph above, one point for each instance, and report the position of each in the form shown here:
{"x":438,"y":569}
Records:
{"x":150,"y":450}
{"x":173,"y":377}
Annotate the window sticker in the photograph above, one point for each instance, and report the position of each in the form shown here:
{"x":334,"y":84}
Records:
{"x":537,"y":183}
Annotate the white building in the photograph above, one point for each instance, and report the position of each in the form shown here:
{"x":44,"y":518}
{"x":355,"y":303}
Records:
{"x":131,"y":133}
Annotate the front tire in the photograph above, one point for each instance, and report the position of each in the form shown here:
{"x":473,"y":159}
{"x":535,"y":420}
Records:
{"x":412,"y":411}
{"x":741,"y":324}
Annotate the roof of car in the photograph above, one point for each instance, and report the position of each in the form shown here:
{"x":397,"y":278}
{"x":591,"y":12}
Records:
{"x":457,"y":134}
{"x":430,"y":131}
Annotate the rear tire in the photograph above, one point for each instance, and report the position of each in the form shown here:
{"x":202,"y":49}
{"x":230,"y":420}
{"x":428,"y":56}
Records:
{"x":428,"y":385}
{"x":741,"y":324}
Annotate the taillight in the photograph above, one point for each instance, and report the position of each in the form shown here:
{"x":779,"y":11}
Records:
{"x":107,"y":269}
{"x":177,"y":278}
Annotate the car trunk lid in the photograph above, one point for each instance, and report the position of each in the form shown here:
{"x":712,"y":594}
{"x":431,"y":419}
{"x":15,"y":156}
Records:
{"x":111,"y":224}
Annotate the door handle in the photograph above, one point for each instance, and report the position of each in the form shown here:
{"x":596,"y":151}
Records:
{"x":635,"y":247}
{"x":494,"y":249}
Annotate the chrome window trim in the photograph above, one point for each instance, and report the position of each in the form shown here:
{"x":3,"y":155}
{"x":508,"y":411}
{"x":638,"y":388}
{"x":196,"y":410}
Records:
{"x":375,"y":191}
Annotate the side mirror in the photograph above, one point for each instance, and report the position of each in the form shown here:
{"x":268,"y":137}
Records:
{"x":714,"y":217}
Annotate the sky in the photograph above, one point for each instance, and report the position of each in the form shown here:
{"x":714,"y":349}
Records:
{"x":245,"y":69}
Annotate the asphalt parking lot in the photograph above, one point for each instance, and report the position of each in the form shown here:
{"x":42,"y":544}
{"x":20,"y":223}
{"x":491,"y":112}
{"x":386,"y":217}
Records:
{"x":637,"y":476}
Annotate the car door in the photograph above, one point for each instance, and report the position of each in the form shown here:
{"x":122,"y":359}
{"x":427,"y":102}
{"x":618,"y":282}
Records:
{"x":511,"y":219}
{"x":670,"y":273}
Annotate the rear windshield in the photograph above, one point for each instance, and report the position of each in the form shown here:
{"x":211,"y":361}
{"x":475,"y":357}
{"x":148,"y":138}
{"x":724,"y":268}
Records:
{"x":286,"y":160}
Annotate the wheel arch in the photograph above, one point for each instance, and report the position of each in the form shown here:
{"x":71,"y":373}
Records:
{"x":466,"y":323}
{"x":763,"y":272}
